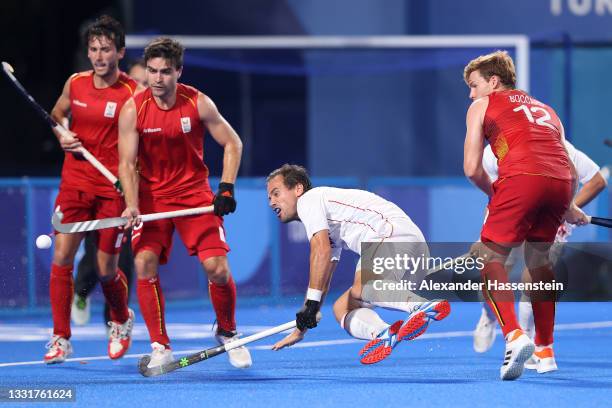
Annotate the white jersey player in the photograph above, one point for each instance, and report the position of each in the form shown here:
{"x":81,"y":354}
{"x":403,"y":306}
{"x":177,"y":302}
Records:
{"x":335,"y":218}
{"x":592,"y":181}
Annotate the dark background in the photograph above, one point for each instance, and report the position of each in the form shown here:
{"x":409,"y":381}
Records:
{"x":322,"y":122}
{"x":42,"y":41}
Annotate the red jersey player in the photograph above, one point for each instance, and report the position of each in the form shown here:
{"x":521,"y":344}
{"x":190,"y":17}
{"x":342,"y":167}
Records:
{"x":93,"y":99}
{"x":528,"y":202}
{"x":161,"y":169}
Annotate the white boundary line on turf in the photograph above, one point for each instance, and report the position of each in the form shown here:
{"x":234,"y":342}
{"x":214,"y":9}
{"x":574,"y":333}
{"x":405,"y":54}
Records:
{"x":323,"y":343}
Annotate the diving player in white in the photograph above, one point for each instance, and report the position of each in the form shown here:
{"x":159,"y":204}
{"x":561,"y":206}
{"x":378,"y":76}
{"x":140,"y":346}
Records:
{"x":333,"y":218}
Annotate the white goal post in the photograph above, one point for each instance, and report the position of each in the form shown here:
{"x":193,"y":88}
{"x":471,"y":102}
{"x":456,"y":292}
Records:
{"x":518,"y":42}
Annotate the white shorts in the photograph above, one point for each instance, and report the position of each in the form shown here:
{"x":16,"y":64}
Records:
{"x":409,"y":243}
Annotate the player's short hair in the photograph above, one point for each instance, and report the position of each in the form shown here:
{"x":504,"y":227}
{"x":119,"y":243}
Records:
{"x":106,"y":26}
{"x":293,"y":175}
{"x":496,"y":63}
{"x":166,"y":48}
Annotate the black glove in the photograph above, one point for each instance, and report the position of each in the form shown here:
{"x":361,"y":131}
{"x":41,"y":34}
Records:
{"x":224,"y":202}
{"x":306,"y":318}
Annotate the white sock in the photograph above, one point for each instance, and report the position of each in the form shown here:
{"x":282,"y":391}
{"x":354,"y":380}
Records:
{"x":403,"y":306}
{"x":363,"y":323}
{"x":525,"y":316}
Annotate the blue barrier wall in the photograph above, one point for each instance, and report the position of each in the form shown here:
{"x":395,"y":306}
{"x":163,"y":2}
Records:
{"x":269,"y":260}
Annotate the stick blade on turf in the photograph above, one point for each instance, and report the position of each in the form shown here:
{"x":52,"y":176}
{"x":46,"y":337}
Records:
{"x":146,"y":371}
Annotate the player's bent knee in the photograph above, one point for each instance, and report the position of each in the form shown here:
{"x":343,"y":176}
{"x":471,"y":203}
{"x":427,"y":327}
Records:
{"x":345,"y":303}
{"x":537,"y":255}
{"x":355,"y":292}
{"x":63,"y":255}
{"x":219,"y":276}
{"x":145,"y":265}
{"x":340,"y":307}
{"x":217,"y":269}
{"x":63,"y":259}
{"x":490,"y":252}
{"x":107,"y":264}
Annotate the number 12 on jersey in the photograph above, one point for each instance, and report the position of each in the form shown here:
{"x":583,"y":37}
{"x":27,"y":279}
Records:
{"x":542,"y":120}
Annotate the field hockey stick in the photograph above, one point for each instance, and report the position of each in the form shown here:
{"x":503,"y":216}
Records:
{"x":208,"y":353}
{"x":91,"y":225}
{"x":602,"y":222}
{"x":8,"y":70}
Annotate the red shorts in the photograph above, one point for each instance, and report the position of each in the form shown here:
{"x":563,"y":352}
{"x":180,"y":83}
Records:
{"x":80,"y":206}
{"x":203,"y":234}
{"x":526,"y":207}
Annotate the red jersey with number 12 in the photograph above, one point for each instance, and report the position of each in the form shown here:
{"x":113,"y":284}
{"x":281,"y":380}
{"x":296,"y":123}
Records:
{"x":525,"y":136}
{"x":171,"y":148}
{"x":95,"y":116}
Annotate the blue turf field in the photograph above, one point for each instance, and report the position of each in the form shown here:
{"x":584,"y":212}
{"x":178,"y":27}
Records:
{"x":439,"y":369}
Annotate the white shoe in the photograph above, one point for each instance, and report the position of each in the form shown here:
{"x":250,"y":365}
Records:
{"x":484,"y":334}
{"x":160,"y":355}
{"x":519,"y":348}
{"x":544,"y":358}
{"x":531,"y":363}
{"x":80,"y":311}
{"x":120,"y":336}
{"x":59,"y":350}
{"x":238,"y":357}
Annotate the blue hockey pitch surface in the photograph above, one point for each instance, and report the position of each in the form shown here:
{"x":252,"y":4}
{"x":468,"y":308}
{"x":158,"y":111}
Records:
{"x":438,"y":369}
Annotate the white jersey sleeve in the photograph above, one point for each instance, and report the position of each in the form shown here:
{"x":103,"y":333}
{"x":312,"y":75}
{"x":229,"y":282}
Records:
{"x":585,"y":167}
{"x":312,"y":211}
{"x":489,"y":163}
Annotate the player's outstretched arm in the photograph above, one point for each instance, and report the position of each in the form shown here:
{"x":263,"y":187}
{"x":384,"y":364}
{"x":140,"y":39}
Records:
{"x":474,"y":146}
{"x":128,"y":154}
{"x":321,"y":271}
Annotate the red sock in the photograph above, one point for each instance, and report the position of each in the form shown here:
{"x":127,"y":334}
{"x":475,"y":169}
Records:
{"x":151,"y":301}
{"x":223,"y":298}
{"x":61,"y":290}
{"x":501,"y":302}
{"x":116,"y":294}
{"x":543,"y":304}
